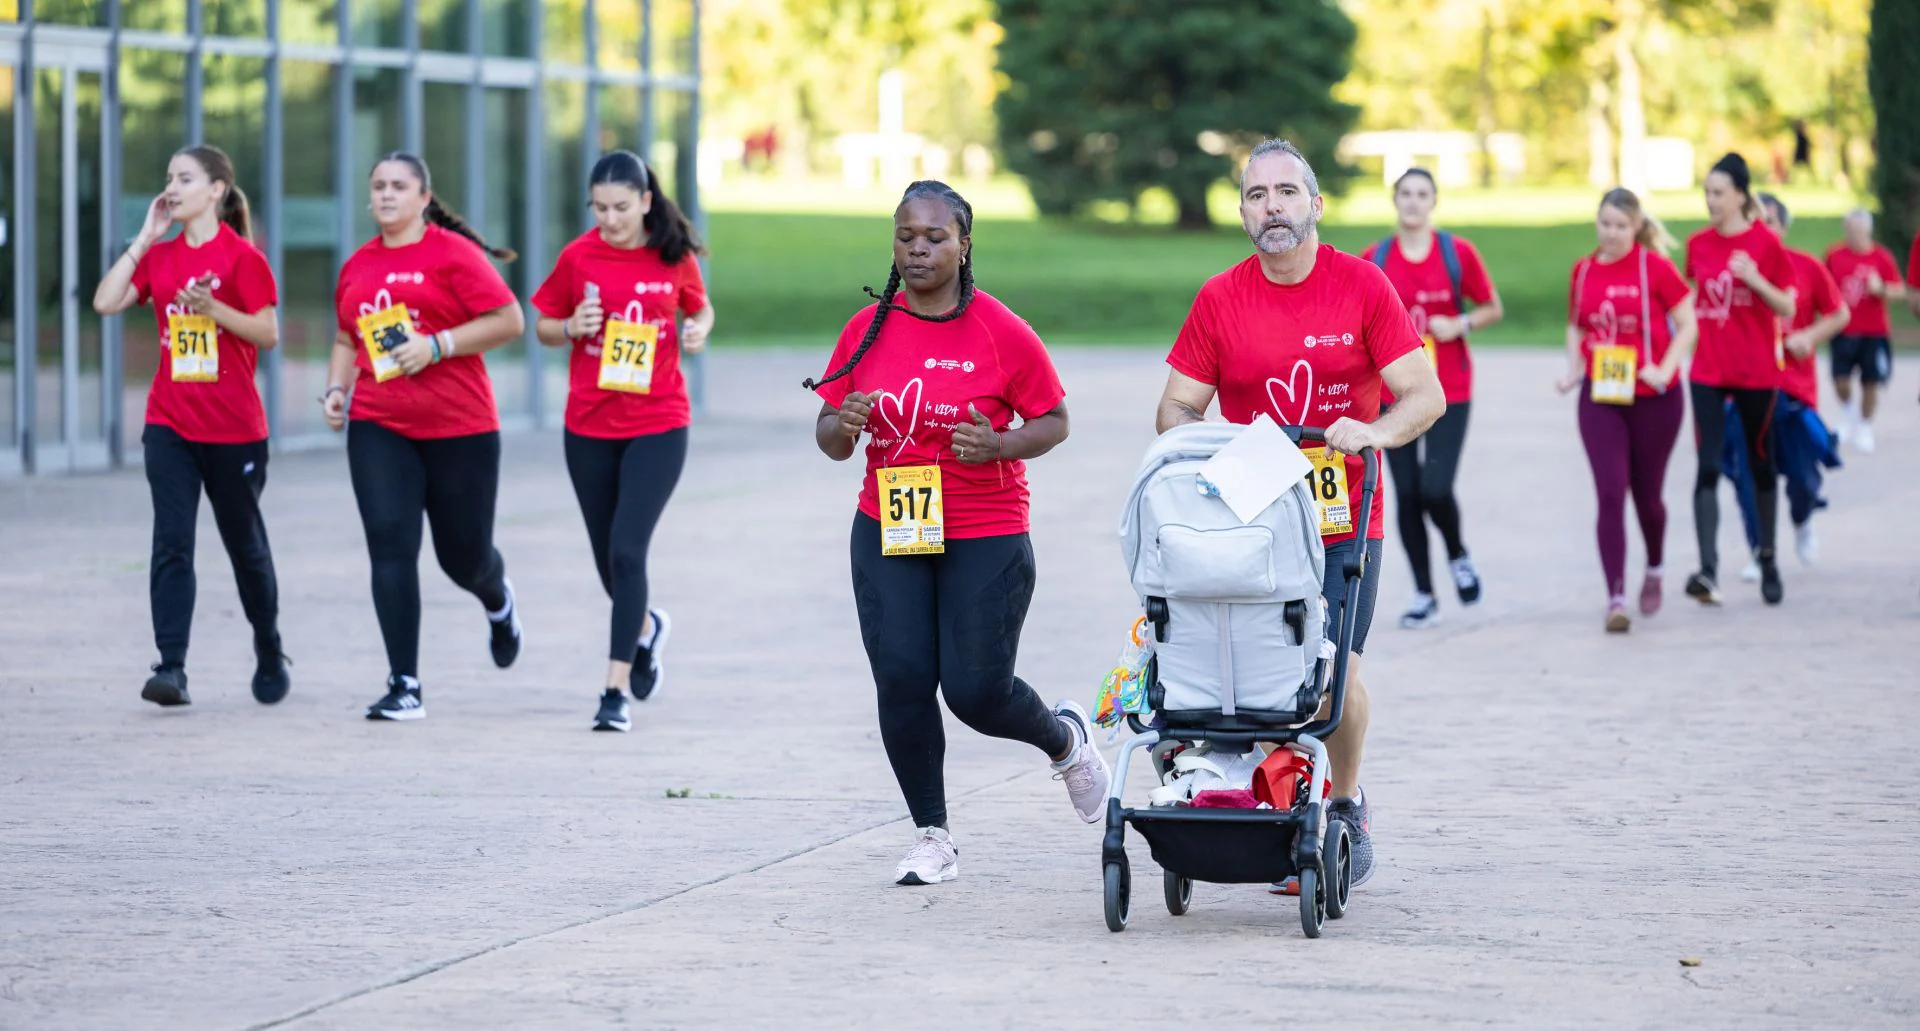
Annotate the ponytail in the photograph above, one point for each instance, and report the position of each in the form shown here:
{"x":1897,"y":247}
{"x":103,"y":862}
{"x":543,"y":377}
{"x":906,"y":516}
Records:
{"x":963,"y":217}
{"x":1650,"y":234}
{"x":439,"y":214}
{"x":668,"y":230}
{"x":234,"y":210}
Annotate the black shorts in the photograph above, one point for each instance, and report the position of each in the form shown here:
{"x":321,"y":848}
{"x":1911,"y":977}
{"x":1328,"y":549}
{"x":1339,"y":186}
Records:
{"x":1873,"y":356}
{"x":1334,"y":589}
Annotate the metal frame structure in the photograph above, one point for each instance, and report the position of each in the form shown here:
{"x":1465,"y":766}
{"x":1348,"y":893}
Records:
{"x":31,"y":45}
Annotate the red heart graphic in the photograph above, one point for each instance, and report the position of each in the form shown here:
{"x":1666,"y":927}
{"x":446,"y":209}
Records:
{"x":1303,"y":398}
{"x":906,"y":404}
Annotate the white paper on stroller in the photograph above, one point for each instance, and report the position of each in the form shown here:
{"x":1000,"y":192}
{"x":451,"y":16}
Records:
{"x":1255,"y":468}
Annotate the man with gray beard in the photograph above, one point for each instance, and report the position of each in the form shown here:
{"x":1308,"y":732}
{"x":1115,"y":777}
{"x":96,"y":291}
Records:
{"x":1306,"y":335}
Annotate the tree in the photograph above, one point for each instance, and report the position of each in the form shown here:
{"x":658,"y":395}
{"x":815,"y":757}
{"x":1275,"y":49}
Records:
{"x":1893,"y":78}
{"x":1107,"y":98}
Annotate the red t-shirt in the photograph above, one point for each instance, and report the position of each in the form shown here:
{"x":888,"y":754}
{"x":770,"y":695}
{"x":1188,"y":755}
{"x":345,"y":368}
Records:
{"x":1305,"y":354}
{"x":1426,"y":291}
{"x":445,"y":280}
{"x":635,"y":286}
{"x":1850,"y":269}
{"x":226,"y":410}
{"x":1609,"y":300}
{"x":1816,"y":295}
{"x":1739,"y":335}
{"x":925,"y":375}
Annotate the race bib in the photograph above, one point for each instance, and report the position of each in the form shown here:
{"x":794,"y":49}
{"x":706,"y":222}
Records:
{"x":382,"y":331}
{"x":626,"y":356}
{"x":913,"y":512}
{"x":1615,"y":371}
{"x":1328,"y":482}
{"x":195,"y":348}
{"x":1433,"y":354}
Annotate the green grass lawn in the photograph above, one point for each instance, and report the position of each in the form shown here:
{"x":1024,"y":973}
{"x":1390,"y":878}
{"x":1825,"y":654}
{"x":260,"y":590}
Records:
{"x":795,"y":279}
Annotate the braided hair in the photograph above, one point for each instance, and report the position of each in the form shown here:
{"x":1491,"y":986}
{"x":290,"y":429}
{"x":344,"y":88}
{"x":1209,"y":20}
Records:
{"x":963,"y":217}
{"x":439,"y":214}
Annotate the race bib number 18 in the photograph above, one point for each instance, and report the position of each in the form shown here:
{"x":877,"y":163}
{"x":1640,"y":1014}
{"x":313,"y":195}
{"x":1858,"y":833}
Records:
{"x":1328,"y":482}
{"x":913,"y":512}
{"x":196,"y":348}
{"x":1433,"y":353}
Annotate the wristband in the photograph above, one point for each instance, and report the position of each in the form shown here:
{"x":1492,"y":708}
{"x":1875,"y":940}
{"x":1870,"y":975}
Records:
{"x":434,"y":342}
{"x":566,"y":327}
{"x":446,"y":345}
{"x":330,"y":391}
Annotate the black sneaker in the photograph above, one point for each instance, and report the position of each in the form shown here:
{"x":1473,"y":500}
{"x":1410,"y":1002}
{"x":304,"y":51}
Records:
{"x":613,"y":712}
{"x":647,"y":676}
{"x":1466,"y":579}
{"x":1701,"y":588}
{"x":167,"y":687}
{"x":402,"y":702}
{"x":1771,"y":590}
{"x":505,"y":643}
{"x":270,"y":680}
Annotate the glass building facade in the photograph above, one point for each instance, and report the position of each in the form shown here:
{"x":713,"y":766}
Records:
{"x":509,"y":102}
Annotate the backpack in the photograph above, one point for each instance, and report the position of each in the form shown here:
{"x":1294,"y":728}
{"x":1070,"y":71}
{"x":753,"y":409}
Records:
{"x":1236,"y":607}
{"x":1449,"y":256}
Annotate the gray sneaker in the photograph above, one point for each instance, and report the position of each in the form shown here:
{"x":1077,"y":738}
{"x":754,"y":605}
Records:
{"x":1354,"y":812}
{"x":1084,"y":769}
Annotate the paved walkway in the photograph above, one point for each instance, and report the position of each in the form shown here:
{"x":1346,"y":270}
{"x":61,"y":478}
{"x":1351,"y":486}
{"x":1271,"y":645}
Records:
{"x":1561,"y":815}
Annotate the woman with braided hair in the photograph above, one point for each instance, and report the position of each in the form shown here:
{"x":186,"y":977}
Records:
{"x":417,"y":307}
{"x":933,"y":376}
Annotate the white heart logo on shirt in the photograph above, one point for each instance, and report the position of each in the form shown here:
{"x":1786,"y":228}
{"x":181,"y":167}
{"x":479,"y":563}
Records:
{"x":906,"y":405}
{"x":1856,"y":289}
{"x":634,"y":313}
{"x":1418,"y":314}
{"x":1606,"y":326}
{"x":381,"y":302}
{"x":1303,"y":398}
{"x":1719,"y":296}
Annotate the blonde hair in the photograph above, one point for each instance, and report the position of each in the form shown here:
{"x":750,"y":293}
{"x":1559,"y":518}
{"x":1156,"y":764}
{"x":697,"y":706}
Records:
{"x":1650,"y":234}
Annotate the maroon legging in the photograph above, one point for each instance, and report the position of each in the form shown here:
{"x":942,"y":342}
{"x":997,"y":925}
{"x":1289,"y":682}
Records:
{"x":1628,"y":447}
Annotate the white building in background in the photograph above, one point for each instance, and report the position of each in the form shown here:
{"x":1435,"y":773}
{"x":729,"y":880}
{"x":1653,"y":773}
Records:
{"x":1449,"y":155}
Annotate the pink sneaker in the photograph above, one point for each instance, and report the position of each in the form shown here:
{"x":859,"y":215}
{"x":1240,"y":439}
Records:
{"x":1617,"y":621}
{"x":1650,"y":594}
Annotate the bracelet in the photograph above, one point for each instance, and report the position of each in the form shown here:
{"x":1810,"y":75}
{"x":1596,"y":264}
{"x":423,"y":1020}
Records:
{"x":434,"y":342}
{"x":447,"y":345}
{"x":566,"y":327}
{"x":999,"y":445}
{"x":330,"y":391}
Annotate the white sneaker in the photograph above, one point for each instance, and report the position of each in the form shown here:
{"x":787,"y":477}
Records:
{"x":1084,"y":769}
{"x":1751,"y":572}
{"x":1806,"y":544}
{"x":931,"y":860}
{"x":1863,"y":438}
{"x":1425,"y":612}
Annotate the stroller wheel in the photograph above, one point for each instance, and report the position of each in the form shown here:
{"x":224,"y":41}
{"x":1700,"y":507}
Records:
{"x":1118,"y":884}
{"x":1339,"y":859}
{"x":1313,"y":904}
{"x":1179,"y":892}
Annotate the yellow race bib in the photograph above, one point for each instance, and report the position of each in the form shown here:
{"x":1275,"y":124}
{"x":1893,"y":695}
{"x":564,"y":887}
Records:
{"x":626,"y":356}
{"x":380,"y":333}
{"x":1615,"y":371}
{"x":913,"y":511}
{"x":195,"y":350}
{"x":1328,"y":482}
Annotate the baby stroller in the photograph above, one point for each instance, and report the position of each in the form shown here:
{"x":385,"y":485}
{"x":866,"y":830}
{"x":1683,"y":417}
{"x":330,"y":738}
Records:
{"x":1239,"y":657}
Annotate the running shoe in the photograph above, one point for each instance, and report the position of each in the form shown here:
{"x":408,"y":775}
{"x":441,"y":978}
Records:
{"x":1771,"y":590}
{"x":647,"y":676}
{"x":1465,"y":579}
{"x":613,"y":712}
{"x":270,"y":680}
{"x":1806,"y":544}
{"x":1750,"y":573}
{"x":1424,"y":613}
{"x":1701,"y":588}
{"x":167,"y":687}
{"x":505,"y":642}
{"x":402,"y":701}
{"x":1084,"y":769}
{"x":1863,"y":438}
{"x":1618,"y":622}
{"x":931,"y":860}
{"x":1650,"y":592}
{"x":1359,"y":820}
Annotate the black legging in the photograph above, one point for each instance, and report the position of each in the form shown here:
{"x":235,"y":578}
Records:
{"x":233,"y":475}
{"x":950,"y":622}
{"x":623,"y":486}
{"x":1423,"y":472}
{"x":1710,"y":436}
{"x":454,"y":480}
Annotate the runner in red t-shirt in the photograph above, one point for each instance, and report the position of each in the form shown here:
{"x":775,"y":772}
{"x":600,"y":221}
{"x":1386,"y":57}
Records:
{"x":942,"y":567}
{"x":1309,"y":336}
{"x":417,"y":306}
{"x":1868,"y":279}
{"x":214,"y":294}
{"x":1744,"y":289}
{"x":1627,"y":304}
{"x":1436,"y":274}
{"x":616,"y":297}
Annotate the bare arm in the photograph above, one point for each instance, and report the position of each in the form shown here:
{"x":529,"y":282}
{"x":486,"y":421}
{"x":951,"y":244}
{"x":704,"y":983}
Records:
{"x":836,"y":430}
{"x":1184,"y":400}
{"x":1480,"y":317}
{"x":1686,"y":333}
{"x":116,"y":292}
{"x":261,"y":329}
{"x":976,"y":442}
{"x":695,"y":329}
{"x":340,"y":375}
{"x":1804,"y":342}
{"x":489,"y":330}
{"x":1576,"y":362}
{"x":1418,"y":400}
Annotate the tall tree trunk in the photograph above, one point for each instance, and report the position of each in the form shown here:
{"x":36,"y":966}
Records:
{"x":1599,"y":135}
{"x":1484,"y":124}
{"x":1193,"y":210}
{"x":1633,"y":114}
